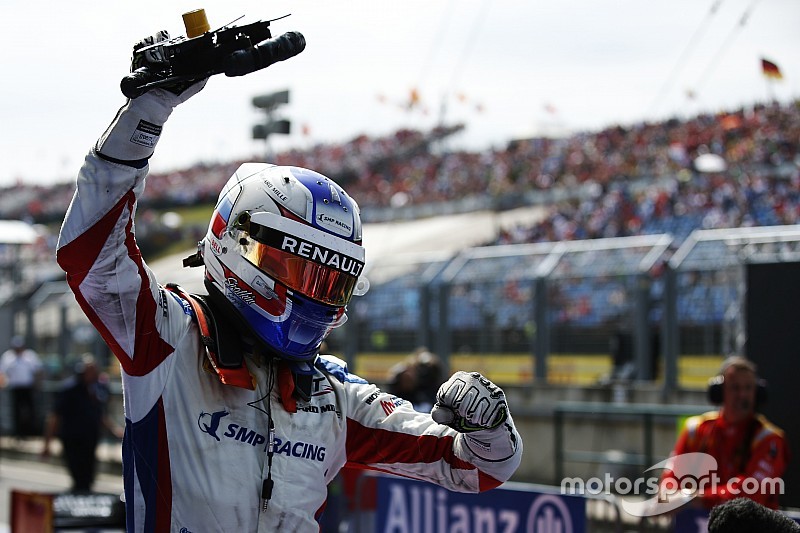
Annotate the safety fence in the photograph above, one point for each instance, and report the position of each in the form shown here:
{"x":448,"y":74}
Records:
{"x":573,"y":313}
{"x":567,"y":313}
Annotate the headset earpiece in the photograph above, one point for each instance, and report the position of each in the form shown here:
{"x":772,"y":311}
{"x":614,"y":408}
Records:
{"x":716,"y":387}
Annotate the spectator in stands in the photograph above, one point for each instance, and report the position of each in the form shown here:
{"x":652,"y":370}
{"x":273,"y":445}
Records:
{"x":759,"y":144}
{"x":744,"y":444}
{"x":78,"y":418}
{"x":21,"y":372}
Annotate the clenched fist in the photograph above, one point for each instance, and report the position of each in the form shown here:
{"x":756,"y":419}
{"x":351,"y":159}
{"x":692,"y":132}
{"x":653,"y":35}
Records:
{"x":469,"y":402}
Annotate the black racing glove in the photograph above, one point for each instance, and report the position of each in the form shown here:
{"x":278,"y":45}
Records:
{"x":135,"y":131}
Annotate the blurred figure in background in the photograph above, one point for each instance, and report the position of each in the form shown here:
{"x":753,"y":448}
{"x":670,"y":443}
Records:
{"x":78,"y":418}
{"x":417,"y":379}
{"x":21,"y":372}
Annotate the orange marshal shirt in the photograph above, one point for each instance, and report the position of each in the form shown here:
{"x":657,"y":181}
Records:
{"x":766,"y":458}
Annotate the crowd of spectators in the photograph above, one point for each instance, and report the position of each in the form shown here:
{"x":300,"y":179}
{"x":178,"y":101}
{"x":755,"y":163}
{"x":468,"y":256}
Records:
{"x":641,"y":178}
{"x":623,"y":180}
{"x":644,"y":181}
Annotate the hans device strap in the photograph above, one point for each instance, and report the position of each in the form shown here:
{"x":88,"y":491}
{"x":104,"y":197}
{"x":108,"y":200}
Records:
{"x":221,"y":346}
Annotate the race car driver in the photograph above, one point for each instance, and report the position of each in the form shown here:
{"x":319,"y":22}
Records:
{"x":234,"y":421}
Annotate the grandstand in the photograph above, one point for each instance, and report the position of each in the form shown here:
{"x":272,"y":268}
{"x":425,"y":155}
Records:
{"x":618,"y":183}
{"x":600,"y":267}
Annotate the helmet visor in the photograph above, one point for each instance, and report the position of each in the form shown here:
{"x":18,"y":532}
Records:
{"x":316,"y":264}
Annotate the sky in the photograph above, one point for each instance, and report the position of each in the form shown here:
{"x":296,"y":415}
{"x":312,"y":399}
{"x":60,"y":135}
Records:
{"x":506,"y":69}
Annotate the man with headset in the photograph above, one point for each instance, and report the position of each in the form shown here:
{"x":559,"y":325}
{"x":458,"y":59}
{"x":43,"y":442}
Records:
{"x":234,"y":420}
{"x":750,"y":452}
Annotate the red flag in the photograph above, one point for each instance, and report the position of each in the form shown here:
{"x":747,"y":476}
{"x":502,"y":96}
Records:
{"x":730,"y":122}
{"x":770,"y":70}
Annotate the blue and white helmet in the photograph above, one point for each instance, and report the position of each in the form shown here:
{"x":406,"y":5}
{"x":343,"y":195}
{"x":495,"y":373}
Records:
{"x":284,"y":248}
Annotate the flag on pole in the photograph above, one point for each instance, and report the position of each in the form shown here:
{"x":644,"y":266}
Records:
{"x":770,"y":70}
{"x":413,"y":98}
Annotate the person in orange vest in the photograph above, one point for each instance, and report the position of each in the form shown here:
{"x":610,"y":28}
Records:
{"x":751,"y":453}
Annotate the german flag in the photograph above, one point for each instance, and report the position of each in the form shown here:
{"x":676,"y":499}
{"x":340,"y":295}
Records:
{"x":770,"y":70}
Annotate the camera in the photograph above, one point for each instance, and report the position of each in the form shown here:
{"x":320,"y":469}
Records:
{"x":233,"y":50}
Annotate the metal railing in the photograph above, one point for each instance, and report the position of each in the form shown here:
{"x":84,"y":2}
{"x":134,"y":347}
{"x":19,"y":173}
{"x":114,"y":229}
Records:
{"x":646,"y":414}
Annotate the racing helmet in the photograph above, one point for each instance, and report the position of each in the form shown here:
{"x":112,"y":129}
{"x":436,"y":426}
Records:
{"x":283,"y":251}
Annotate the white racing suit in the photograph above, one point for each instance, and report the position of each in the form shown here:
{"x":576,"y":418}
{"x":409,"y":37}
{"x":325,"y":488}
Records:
{"x":195,"y":451}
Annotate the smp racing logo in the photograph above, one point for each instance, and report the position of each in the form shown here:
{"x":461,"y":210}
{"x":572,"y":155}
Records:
{"x":332,"y":221}
{"x":210,"y":423}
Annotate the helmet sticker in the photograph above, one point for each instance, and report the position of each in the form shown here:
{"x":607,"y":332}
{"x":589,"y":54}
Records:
{"x":308,"y":241}
{"x":239,"y":294}
{"x":216,"y":247}
{"x":275,"y":306}
{"x":335,"y":222}
{"x":314,"y":252}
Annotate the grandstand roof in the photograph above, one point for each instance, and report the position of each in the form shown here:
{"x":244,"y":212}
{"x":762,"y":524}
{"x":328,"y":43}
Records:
{"x":588,"y":258}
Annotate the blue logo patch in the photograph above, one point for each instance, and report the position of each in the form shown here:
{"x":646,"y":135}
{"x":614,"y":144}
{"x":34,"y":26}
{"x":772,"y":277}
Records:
{"x":209,"y":422}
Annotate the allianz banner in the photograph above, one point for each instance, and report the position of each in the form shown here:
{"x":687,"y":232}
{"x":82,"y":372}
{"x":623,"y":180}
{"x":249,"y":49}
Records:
{"x":409,"y":506}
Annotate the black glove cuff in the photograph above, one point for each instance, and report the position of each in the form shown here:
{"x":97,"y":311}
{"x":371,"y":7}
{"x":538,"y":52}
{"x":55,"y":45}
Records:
{"x":138,"y":164}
